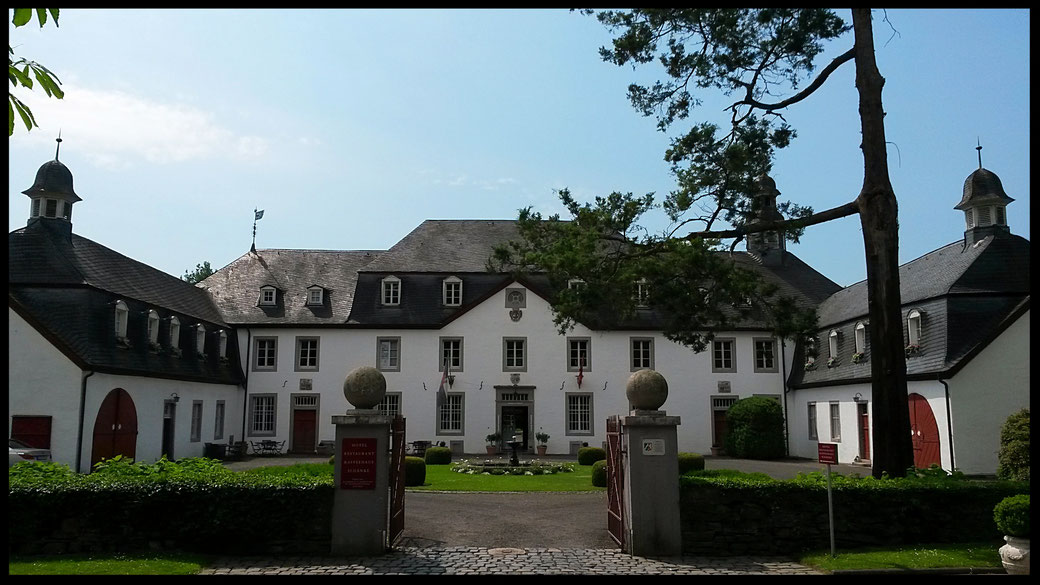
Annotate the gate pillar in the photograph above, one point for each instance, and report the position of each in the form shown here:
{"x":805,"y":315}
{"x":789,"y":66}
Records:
{"x":361,"y":471}
{"x":651,"y":472}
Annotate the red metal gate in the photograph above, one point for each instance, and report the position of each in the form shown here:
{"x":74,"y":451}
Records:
{"x":396,"y":515}
{"x":615,"y":482}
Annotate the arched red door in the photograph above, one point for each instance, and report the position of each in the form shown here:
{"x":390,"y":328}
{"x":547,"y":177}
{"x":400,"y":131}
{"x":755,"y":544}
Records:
{"x":115,"y":428}
{"x":924,"y":432}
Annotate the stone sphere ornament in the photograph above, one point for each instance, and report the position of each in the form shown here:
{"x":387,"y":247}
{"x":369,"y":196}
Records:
{"x":364,"y":387}
{"x":646,"y":390}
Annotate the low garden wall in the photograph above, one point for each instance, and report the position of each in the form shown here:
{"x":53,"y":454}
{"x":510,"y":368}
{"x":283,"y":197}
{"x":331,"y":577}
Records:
{"x":738,"y":517}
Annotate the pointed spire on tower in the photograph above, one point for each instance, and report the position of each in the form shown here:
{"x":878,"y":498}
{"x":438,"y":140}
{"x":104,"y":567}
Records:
{"x":979,"y":148}
{"x":58,"y":148}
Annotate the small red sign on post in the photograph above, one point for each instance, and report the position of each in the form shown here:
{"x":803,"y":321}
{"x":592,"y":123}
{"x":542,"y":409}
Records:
{"x":829,"y":453}
{"x":358,"y":464}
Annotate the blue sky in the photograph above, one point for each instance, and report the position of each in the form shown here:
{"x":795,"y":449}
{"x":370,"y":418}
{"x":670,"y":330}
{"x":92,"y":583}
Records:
{"x":351,"y":127}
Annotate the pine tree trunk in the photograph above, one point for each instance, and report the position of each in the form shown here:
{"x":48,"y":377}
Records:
{"x":892,"y":450}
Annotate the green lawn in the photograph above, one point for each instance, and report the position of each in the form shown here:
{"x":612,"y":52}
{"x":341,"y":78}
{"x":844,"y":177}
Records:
{"x":974,"y":555}
{"x":442,"y":478}
{"x":142,"y":564}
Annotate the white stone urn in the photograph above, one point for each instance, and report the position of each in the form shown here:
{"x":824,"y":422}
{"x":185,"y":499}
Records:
{"x":1015,"y":555}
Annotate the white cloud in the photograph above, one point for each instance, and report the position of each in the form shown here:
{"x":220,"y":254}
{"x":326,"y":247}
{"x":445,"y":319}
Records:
{"x":118,"y":129}
{"x":465,"y":181}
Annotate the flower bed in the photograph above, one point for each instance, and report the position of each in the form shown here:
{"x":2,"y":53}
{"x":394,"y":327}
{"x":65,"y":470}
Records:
{"x":504,"y":468}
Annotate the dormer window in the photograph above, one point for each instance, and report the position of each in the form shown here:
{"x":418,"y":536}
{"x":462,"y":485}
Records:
{"x":861,"y":337}
{"x":223,"y":344}
{"x":391,"y":287}
{"x":315,"y":295}
{"x":175,"y":333}
{"x":200,"y":339}
{"x":122,"y":314}
{"x":153,"y":327}
{"x":832,"y":344}
{"x":268,"y":296}
{"x":452,"y":291}
{"x":642,"y":293}
{"x":576,"y":284}
{"x":913,"y":328}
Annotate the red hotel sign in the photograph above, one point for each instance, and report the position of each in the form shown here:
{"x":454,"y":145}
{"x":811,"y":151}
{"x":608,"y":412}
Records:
{"x":829,"y":453}
{"x":358,"y":465}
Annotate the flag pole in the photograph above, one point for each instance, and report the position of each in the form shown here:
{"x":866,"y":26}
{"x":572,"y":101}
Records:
{"x":252,"y":248}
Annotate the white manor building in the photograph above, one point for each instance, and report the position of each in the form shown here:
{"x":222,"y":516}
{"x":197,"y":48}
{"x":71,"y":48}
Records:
{"x":108,"y":355}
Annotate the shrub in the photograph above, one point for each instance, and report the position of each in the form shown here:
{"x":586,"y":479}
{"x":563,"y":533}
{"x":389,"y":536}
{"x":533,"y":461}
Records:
{"x":414,"y":471}
{"x":599,"y":473}
{"x":438,"y":456}
{"x":1012,"y":516}
{"x":755,"y":429}
{"x":1013,"y":457}
{"x":690,"y":462}
{"x":590,"y":455}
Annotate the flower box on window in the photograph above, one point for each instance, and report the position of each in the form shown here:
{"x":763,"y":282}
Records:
{"x":810,"y":365}
{"x":913,"y":349}
{"x":858,"y":357}
{"x":831,"y":362}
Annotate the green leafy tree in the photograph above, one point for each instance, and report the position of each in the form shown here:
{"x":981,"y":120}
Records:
{"x":21,"y":71}
{"x":201,"y":272}
{"x":751,"y":56}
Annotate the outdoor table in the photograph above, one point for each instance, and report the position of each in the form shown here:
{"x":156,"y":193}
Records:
{"x":419,"y":447}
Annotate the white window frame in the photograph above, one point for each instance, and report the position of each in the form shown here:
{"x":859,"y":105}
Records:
{"x":315,"y":295}
{"x":579,"y":413}
{"x":765,"y":354}
{"x":913,"y":327}
{"x":265,"y":348}
{"x":196,"y":421}
{"x":514,"y":354}
{"x":153,"y":326}
{"x":576,"y":284}
{"x":312,"y":361}
{"x":835,"y":416}
{"x":268,"y":296}
{"x":641,"y":357}
{"x":579,"y":349}
{"x":724,"y":355}
{"x":451,"y":291}
{"x":263,"y":415}
{"x":390,"y":291}
{"x":832,"y":343}
{"x":861,"y":337}
{"x":392,"y":363}
{"x":175,"y":333}
{"x":222,"y":344}
{"x":451,"y":414}
{"x":642,"y":293}
{"x":122,"y":318}
{"x":456,"y":353}
{"x":390,"y":405}
{"x":200,"y":339}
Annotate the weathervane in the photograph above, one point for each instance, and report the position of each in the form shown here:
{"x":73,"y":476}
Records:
{"x":59,"y":145}
{"x":979,"y":148}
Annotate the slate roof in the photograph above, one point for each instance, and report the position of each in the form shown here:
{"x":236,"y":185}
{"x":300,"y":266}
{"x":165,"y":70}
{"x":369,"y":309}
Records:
{"x":965,"y":294}
{"x":66,"y":286}
{"x":446,"y":246}
{"x":236,"y":287}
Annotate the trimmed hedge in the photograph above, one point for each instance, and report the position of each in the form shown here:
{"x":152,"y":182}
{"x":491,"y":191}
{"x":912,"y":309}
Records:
{"x":755,"y":429}
{"x":590,"y":455}
{"x":414,"y":471}
{"x":438,"y":455}
{"x":599,"y":473}
{"x":1013,"y":457}
{"x":690,"y":462}
{"x":1011,"y":516}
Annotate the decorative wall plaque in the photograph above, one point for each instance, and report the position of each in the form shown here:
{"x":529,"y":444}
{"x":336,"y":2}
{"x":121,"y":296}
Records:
{"x":305,"y":384}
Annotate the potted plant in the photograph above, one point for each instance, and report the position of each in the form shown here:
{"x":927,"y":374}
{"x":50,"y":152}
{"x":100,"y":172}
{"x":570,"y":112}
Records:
{"x":492,"y":442}
{"x":1012,"y":518}
{"x":543,"y":438}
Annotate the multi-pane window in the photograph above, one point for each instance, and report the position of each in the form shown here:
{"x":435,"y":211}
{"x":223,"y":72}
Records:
{"x":579,"y":414}
{"x":835,"y":421}
{"x":452,"y":292}
{"x":388,"y":354}
{"x":218,"y":421}
{"x":514,"y":351}
{"x":266,"y":353}
{"x":578,"y":355}
{"x":642,"y":353}
{"x":153,"y":326}
{"x":642,"y":293}
{"x":390,"y":405}
{"x":450,"y":414}
{"x":314,"y":295}
{"x":267,"y":295}
{"x":391,"y":291}
{"x":765,"y":355}
{"x":451,"y":354}
{"x":196,"y":421}
{"x":812,"y":421}
{"x":262,"y":414}
{"x":722,"y":355}
{"x":306,"y":353}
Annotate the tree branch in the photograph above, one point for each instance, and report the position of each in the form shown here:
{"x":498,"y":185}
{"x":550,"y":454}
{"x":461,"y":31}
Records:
{"x":845,"y":210}
{"x":809,"y":89}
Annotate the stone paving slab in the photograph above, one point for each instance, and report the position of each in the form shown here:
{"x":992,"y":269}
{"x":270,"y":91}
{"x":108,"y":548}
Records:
{"x":467,"y":560}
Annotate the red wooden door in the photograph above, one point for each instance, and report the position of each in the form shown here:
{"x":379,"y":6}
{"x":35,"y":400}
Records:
{"x":924,"y":432}
{"x":719,"y":440}
{"x":864,"y":433}
{"x":115,"y":428}
{"x":304,"y":430}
